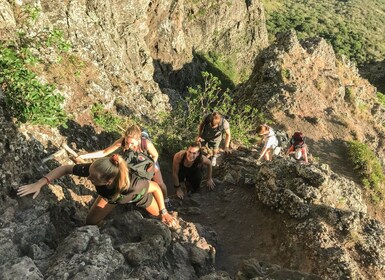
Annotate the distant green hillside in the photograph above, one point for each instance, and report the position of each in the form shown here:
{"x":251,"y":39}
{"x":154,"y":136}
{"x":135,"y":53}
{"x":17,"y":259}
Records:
{"x":355,"y":28}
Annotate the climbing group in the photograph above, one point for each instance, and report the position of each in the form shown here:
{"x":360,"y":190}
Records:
{"x":134,"y":176}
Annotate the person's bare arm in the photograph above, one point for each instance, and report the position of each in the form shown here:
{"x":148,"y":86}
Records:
{"x":102,"y":153}
{"x":175,"y":173}
{"x":200,"y":130}
{"x":152,"y":150}
{"x":227,"y":140}
{"x":158,"y":195}
{"x":210,"y":182}
{"x":36,"y":187}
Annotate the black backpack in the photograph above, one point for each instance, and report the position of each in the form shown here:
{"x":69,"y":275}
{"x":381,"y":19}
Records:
{"x":140,"y":164}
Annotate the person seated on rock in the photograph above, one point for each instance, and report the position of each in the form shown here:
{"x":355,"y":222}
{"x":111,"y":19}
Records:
{"x":140,"y":154}
{"x":210,"y":134}
{"x":270,"y":140}
{"x":113,"y":184}
{"x":187,"y":168}
{"x":298,"y":147}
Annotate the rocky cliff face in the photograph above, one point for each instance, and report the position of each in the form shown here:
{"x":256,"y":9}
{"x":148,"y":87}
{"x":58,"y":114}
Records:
{"x":139,"y":55}
{"x":302,"y":86}
{"x":126,"y":49}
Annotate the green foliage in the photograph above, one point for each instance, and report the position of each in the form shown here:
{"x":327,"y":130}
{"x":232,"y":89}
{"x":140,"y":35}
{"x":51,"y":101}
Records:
{"x":221,"y":67}
{"x":26,"y":97}
{"x":368,"y":166}
{"x":106,"y":119}
{"x":180,"y":126}
{"x":350,"y":96}
{"x":39,"y":39}
{"x":361,"y":39}
{"x":381,"y":98}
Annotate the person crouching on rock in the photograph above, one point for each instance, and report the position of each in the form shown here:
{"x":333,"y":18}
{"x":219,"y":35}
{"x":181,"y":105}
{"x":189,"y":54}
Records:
{"x":137,"y":150}
{"x":187,"y":169}
{"x":270,"y":140}
{"x":113,"y":184}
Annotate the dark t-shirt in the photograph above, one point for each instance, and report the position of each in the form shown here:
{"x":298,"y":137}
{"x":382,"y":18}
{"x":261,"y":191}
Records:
{"x":137,"y":193}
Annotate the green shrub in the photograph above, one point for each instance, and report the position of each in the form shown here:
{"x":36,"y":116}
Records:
{"x":368,"y":166}
{"x":361,"y":39}
{"x":107,"y":120}
{"x":26,"y":97}
{"x":180,"y":126}
{"x":381,"y":98}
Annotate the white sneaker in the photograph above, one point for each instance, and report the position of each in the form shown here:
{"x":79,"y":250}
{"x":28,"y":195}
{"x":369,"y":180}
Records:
{"x":214,"y":161}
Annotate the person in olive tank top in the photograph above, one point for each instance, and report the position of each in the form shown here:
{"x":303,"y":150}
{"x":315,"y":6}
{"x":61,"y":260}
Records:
{"x":114,"y":186}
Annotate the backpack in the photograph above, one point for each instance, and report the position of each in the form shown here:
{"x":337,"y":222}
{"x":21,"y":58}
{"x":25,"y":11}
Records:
{"x":283,"y":138}
{"x":298,"y":139}
{"x":140,"y":164}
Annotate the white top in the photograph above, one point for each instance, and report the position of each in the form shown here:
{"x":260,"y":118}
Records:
{"x":270,"y":140}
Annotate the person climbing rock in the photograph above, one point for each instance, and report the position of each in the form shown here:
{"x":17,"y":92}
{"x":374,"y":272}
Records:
{"x":298,"y":147}
{"x":113,"y":184}
{"x":140,"y":154}
{"x":187,"y":169}
{"x":270,"y":140}
{"x":210,"y":133}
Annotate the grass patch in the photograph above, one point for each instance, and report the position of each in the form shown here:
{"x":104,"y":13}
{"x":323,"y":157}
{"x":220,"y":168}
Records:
{"x":369,"y":168}
{"x":107,"y":120}
{"x":27,"y":98}
{"x":381,"y":98}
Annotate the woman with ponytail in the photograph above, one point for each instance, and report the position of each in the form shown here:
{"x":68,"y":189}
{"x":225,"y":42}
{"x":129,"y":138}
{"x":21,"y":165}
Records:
{"x":113,"y":184}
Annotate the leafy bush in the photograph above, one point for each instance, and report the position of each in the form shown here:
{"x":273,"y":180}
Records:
{"x":368,"y":166}
{"x":106,"y":119}
{"x":26,"y":97}
{"x":381,"y":98}
{"x":179,"y":127}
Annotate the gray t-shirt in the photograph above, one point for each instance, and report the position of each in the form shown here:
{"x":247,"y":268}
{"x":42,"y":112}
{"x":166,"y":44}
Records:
{"x":212,"y":134}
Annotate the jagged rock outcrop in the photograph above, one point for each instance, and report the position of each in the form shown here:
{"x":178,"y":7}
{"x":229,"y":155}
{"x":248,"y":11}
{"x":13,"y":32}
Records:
{"x":303,"y":86}
{"x":330,"y":221}
{"x":46,"y":238}
{"x":122,"y":50}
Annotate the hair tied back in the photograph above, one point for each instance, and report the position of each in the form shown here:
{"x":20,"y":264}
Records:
{"x":115,"y":159}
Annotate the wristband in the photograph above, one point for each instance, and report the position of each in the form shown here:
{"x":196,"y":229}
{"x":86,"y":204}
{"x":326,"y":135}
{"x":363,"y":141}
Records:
{"x":48,"y":180}
{"x":163,"y":211}
{"x":176,"y":187}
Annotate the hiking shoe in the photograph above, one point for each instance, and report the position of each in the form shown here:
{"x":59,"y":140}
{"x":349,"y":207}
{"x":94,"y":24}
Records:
{"x":168,"y":204}
{"x":214,"y":161}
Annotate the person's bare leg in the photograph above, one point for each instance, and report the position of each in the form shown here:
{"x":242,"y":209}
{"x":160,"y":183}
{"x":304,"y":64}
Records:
{"x":159,"y":179}
{"x":153,"y":209}
{"x":99,"y":210}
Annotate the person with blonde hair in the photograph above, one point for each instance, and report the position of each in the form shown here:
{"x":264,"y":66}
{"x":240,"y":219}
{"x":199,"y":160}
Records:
{"x":113,"y":184}
{"x":140,"y":154}
{"x":270,"y":140}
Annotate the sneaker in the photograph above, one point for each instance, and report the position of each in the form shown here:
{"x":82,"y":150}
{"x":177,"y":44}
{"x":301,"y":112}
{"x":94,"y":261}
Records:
{"x":214,"y":161}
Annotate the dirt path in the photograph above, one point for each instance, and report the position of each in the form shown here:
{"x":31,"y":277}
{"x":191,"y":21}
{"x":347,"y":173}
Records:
{"x":245,"y":228}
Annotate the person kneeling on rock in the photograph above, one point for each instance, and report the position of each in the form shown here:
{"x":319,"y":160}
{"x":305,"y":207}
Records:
{"x":114,"y":185}
{"x":187,"y":168}
{"x":270,"y":140}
